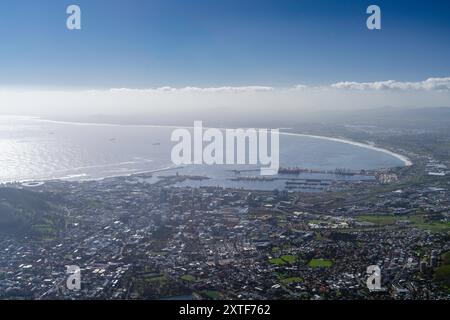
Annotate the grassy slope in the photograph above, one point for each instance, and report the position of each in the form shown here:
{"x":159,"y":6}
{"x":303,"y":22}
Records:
{"x":27,"y":213}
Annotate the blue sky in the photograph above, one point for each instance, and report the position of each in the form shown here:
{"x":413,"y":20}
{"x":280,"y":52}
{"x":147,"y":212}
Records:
{"x":152,"y":43}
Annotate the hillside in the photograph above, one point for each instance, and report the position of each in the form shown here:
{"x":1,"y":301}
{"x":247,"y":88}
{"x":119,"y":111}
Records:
{"x":27,"y":213}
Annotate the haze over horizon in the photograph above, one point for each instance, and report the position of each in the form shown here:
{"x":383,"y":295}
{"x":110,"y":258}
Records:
{"x":237,"y":102}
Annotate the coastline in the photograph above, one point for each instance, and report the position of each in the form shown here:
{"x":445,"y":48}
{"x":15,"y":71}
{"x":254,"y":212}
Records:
{"x":67,"y":178}
{"x":399,"y":156}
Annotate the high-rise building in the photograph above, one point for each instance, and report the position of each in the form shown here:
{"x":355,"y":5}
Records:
{"x":434,"y":261}
{"x":423,"y":266}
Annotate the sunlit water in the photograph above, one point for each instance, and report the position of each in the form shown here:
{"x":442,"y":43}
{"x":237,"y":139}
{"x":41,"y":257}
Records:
{"x":32,"y":149}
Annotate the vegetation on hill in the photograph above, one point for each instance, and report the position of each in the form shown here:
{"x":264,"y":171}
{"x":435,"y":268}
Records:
{"x":28,"y":213}
{"x":442,"y":274}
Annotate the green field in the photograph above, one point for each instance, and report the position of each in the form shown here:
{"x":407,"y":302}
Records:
{"x":285,"y":259}
{"x":378,"y":219}
{"x":188,"y":278}
{"x":289,"y":258}
{"x":214,"y":295}
{"x":277,"y":261}
{"x":156,"y":278}
{"x":417,"y":221}
{"x":320,"y":263}
{"x":291,"y":280}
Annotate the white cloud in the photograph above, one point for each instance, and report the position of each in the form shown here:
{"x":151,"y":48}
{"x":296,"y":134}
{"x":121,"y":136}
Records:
{"x":219,"y":102}
{"x":431,"y":84}
{"x":241,"y":89}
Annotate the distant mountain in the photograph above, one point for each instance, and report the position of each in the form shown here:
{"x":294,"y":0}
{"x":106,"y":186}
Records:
{"x":426,"y":118}
{"x":27,"y":213}
{"x":433,"y":119}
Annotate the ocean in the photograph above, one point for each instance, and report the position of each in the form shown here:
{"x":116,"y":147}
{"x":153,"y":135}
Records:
{"x":33,"y":149}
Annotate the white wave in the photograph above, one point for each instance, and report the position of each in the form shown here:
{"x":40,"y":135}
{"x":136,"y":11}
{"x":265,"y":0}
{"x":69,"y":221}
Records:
{"x":401,"y":157}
